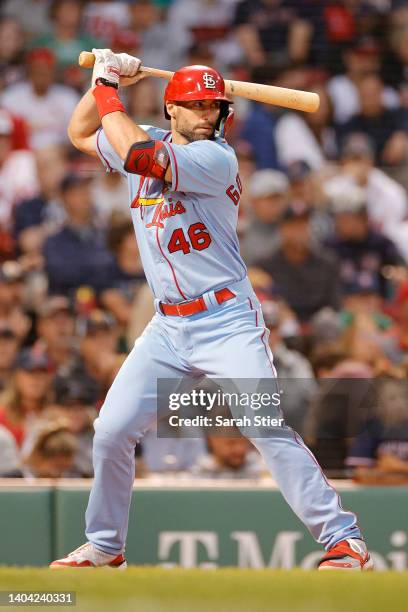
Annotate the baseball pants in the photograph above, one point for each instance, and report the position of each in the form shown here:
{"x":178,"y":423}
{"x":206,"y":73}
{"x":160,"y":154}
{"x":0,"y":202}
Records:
{"x":228,"y":341}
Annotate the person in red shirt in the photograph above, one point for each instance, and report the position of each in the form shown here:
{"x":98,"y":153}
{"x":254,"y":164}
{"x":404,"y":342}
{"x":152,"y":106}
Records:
{"x":27,"y":393}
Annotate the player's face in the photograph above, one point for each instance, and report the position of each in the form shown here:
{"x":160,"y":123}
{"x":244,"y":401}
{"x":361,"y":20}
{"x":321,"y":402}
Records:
{"x":196,"y":120}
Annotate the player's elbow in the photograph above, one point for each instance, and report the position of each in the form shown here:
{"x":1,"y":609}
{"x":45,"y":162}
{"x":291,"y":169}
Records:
{"x":74,"y":135}
{"x":75,"y":142}
{"x":85,"y":144}
{"x":148,"y":158}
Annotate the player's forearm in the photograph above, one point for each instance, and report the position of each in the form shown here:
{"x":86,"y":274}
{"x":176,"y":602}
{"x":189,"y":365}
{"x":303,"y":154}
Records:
{"x":122,"y":132}
{"x":85,"y":119}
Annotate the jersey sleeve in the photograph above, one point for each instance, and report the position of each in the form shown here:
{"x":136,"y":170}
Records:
{"x":202,"y":167}
{"x":107,"y":154}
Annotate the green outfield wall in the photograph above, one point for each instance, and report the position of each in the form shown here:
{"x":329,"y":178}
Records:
{"x":197,"y":526}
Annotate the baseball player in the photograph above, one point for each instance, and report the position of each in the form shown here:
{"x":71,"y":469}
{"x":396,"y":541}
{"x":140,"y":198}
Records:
{"x":184,"y":191}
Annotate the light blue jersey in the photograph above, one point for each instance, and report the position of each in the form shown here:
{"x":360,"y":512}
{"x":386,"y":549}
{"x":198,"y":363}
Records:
{"x":186,"y":232}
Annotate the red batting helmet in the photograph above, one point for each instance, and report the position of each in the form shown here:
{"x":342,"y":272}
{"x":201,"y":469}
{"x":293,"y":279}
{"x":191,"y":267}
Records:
{"x":197,"y":83}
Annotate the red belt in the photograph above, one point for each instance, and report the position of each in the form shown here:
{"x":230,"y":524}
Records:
{"x":185,"y":309}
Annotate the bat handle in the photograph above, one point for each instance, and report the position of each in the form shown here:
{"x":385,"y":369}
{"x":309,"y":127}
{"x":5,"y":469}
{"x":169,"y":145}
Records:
{"x":87,"y":59}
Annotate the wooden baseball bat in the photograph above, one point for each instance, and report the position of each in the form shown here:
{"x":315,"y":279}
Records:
{"x":306,"y":101}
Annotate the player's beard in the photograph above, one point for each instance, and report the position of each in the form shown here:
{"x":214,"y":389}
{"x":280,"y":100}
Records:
{"x":191,"y":135}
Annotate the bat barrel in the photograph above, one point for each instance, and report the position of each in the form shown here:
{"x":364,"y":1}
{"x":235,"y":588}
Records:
{"x":306,"y":101}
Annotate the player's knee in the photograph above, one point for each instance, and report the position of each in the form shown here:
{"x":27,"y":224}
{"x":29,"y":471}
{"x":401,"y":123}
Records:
{"x":112,"y":445}
{"x":113,"y":437}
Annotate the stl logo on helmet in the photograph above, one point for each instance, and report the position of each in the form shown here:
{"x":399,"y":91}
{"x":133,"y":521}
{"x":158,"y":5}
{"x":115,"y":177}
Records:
{"x":209,"y":81}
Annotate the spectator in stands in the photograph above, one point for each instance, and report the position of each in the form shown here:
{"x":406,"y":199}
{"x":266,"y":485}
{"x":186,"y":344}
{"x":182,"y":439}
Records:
{"x":260,"y":123}
{"x":170,"y":454}
{"x":11,"y":287}
{"x":333,"y":26}
{"x":18,"y":179}
{"x":74,"y":401}
{"x":145,"y":104}
{"x":12,"y":310}
{"x":110,"y":194}
{"x":126,"y":294}
{"x":198,"y":22}
{"x":110,"y":21}
{"x":160,"y":38}
{"x":386,"y":199}
{"x":39,"y":217}
{"x":46,"y":106}
{"x":32,"y":15}
{"x":362,"y":251}
{"x":66,"y":39}
{"x":44,"y":212}
{"x":11,"y":52}
{"x":268,"y":198}
{"x":99,"y":351}
{"x":27,"y":393}
{"x":294,"y":138}
{"x":200,"y":54}
{"x":19,"y":136}
{"x":310,"y":14}
{"x":229,"y":455}
{"x":306,"y":190}
{"x":295,"y":373}
{"x":258,"y":133}
{"x":56,"y":331}
{"x":344,"y":400}
{"x":9,"y":347}
{"x":305,"y":276}
{"x":325,"y":329}
{"x":361,"y":59}
{"x":51,"y":453}
{"x":320,"y":124}
{"x":364,"y":299}
{"x":379,"y":453}
{"x":270,"y":31}
{"x":60,"y":332}
{"x":402,"y":317}
{"x":385,"y":127}
{"x":77,"y":254}
{"x":9,"y":455}
{"x":324,"y":358}
{"x":395,"y":68}
{"x":369,"y":334}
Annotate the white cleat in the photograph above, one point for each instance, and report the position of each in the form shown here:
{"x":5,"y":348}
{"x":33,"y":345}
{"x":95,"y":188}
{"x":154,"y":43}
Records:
{"x":89,"y":556}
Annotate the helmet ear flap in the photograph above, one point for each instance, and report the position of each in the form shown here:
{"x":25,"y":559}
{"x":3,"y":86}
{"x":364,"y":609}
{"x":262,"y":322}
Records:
{"x":226,"y":122}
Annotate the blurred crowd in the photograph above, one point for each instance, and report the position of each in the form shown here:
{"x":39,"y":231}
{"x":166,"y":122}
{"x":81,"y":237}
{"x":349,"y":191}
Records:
{"x":323,"y":226}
